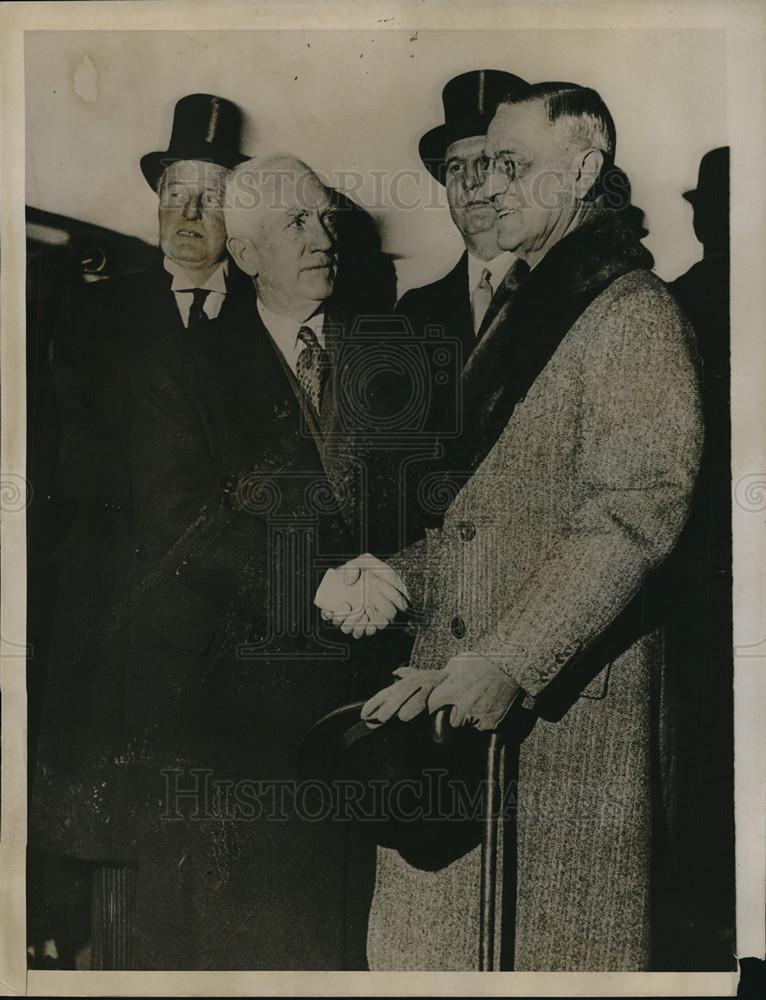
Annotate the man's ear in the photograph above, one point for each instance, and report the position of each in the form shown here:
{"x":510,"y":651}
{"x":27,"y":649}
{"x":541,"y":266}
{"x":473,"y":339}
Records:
{"x":242,"y":253}
{"x":587,"y":172}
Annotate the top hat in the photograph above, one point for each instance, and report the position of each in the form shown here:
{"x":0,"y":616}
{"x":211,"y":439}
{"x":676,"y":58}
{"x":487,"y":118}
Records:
{"x":205,"y":128}
{"x":404,"y":777}
{"x":713,"y":177}
{"x":469,"y":103}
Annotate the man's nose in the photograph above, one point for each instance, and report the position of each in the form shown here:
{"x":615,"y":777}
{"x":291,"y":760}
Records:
{"x":495,"y":184}
{"x":474,"y":175}
{"x":320,"y":237}
{"x":192,"y":207}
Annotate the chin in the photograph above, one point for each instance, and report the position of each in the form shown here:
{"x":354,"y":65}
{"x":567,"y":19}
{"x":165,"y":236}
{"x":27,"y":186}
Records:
{"x":479,"y":221}
{"x":316,"y":286}
{"x":190,"y":255}
{"x":509,"y":237}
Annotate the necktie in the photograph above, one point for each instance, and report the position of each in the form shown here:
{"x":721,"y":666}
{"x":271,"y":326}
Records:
{"x":480,"y":299}
{"x":311,"y":367}
{"x":197,"y":312}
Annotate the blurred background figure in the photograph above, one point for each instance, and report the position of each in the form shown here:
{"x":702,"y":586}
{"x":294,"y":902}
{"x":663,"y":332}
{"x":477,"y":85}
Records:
{"x":702,"y":587}
{"x":703,"y":290}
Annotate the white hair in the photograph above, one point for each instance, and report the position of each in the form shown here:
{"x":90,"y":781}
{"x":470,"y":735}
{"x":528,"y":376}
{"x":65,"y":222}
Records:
{"x":258,"y":182}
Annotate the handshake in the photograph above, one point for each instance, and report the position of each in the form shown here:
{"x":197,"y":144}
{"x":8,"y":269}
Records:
{"x":362,"y":596}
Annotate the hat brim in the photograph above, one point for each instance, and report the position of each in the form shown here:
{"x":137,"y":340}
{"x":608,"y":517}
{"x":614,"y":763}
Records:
{"x":433,"y":145}
{"x":154,"y":164}
{"x":381,"y":763}
{"x":397,"y":758}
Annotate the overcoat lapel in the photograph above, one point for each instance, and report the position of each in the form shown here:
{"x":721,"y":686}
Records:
{"x":507,"y":288}
{"x":260,"y":394}
{"x":528,"y":328}
{"x":459,"y":306}
{"x":263,"y":394}
{"x":156,"y":298}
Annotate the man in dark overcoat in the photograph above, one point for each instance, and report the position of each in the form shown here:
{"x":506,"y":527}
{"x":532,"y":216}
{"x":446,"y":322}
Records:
{"x":119,"y":318}
{"x":461,"y":304}
{"x":450,"y":315}
{"x":245,"y":489}
{"x":92,"y":550}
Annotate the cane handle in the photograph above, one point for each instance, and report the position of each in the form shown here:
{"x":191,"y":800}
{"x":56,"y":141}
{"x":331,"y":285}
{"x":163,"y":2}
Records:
{"x":441,"y":726}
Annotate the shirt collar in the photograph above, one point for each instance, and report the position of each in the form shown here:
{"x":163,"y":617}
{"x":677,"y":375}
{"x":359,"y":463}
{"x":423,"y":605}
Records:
{"x":285,"y":329}
{"x":181,"y":283}
{"x":497,"y":267}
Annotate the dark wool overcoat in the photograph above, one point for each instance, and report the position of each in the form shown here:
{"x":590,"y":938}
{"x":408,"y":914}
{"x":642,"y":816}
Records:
{"x":213,"y":663}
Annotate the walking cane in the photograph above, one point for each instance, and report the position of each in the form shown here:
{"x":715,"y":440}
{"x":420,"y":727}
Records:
{"x":488,"y":901}
{"x":490,"y":817}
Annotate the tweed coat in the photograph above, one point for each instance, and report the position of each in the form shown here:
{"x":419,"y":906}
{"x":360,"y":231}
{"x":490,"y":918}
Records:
{"x":546,"y":563}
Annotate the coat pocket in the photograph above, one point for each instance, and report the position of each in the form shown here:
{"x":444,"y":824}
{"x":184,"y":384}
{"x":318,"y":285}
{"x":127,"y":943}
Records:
{"x":597,"y":686}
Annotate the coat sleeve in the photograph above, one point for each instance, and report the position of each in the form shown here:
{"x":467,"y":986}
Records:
{"x":185,"y":519}
{"x":92,"y":464}
{"x":640,"y":444}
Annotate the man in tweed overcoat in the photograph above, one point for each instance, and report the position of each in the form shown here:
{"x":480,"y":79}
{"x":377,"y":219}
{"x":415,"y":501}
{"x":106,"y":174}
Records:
{"x":546,"y":586}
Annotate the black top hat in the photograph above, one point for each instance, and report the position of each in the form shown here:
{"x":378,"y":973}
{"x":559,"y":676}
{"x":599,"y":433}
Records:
{"x":403,"y":778}
{"x":469,"y":103}
{"x":713,"y":177}
{"x":205,"y":128}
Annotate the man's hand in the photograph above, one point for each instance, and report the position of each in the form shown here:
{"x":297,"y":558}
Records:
{"x":407,"y":697}
{"x":362,"y":596}
{"x":478,"y":690}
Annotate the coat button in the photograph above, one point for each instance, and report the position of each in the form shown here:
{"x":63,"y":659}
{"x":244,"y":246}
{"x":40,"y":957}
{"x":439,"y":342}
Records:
{"x":140,"y":552}
{"x":467,"y":531}
{"x":229,"y":484}
{"x":457,"y":627}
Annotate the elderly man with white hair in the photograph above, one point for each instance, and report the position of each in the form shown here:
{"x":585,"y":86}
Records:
{"x":242,"y":500}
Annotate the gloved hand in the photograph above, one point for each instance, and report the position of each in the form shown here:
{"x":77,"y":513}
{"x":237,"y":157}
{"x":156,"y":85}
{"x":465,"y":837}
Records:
{"x":480,"y":693}
{"x":362,"y":596}
{"x":406,"y":697}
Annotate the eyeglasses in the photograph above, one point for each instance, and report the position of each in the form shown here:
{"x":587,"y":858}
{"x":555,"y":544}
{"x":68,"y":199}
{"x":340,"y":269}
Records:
{"x":502,"y":163}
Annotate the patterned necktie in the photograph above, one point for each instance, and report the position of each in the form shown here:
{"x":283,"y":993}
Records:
{"x":481,"y":298}
{"x":311,"y":367}
{"x":197,"y":312}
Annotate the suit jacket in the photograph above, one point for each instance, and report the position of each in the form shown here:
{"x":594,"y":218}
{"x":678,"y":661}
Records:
{"x":547,"y":563}
{"x":445,"y":305}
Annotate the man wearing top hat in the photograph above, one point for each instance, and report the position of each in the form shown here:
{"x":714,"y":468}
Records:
{"x":118,"y":319}
{"x":463,"y":302}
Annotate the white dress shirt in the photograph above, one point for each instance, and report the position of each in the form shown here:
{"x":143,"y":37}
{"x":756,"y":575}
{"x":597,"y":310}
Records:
{"x":497,"y":267}
{"x":284,"y":331}
{"x":184,"y":291}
